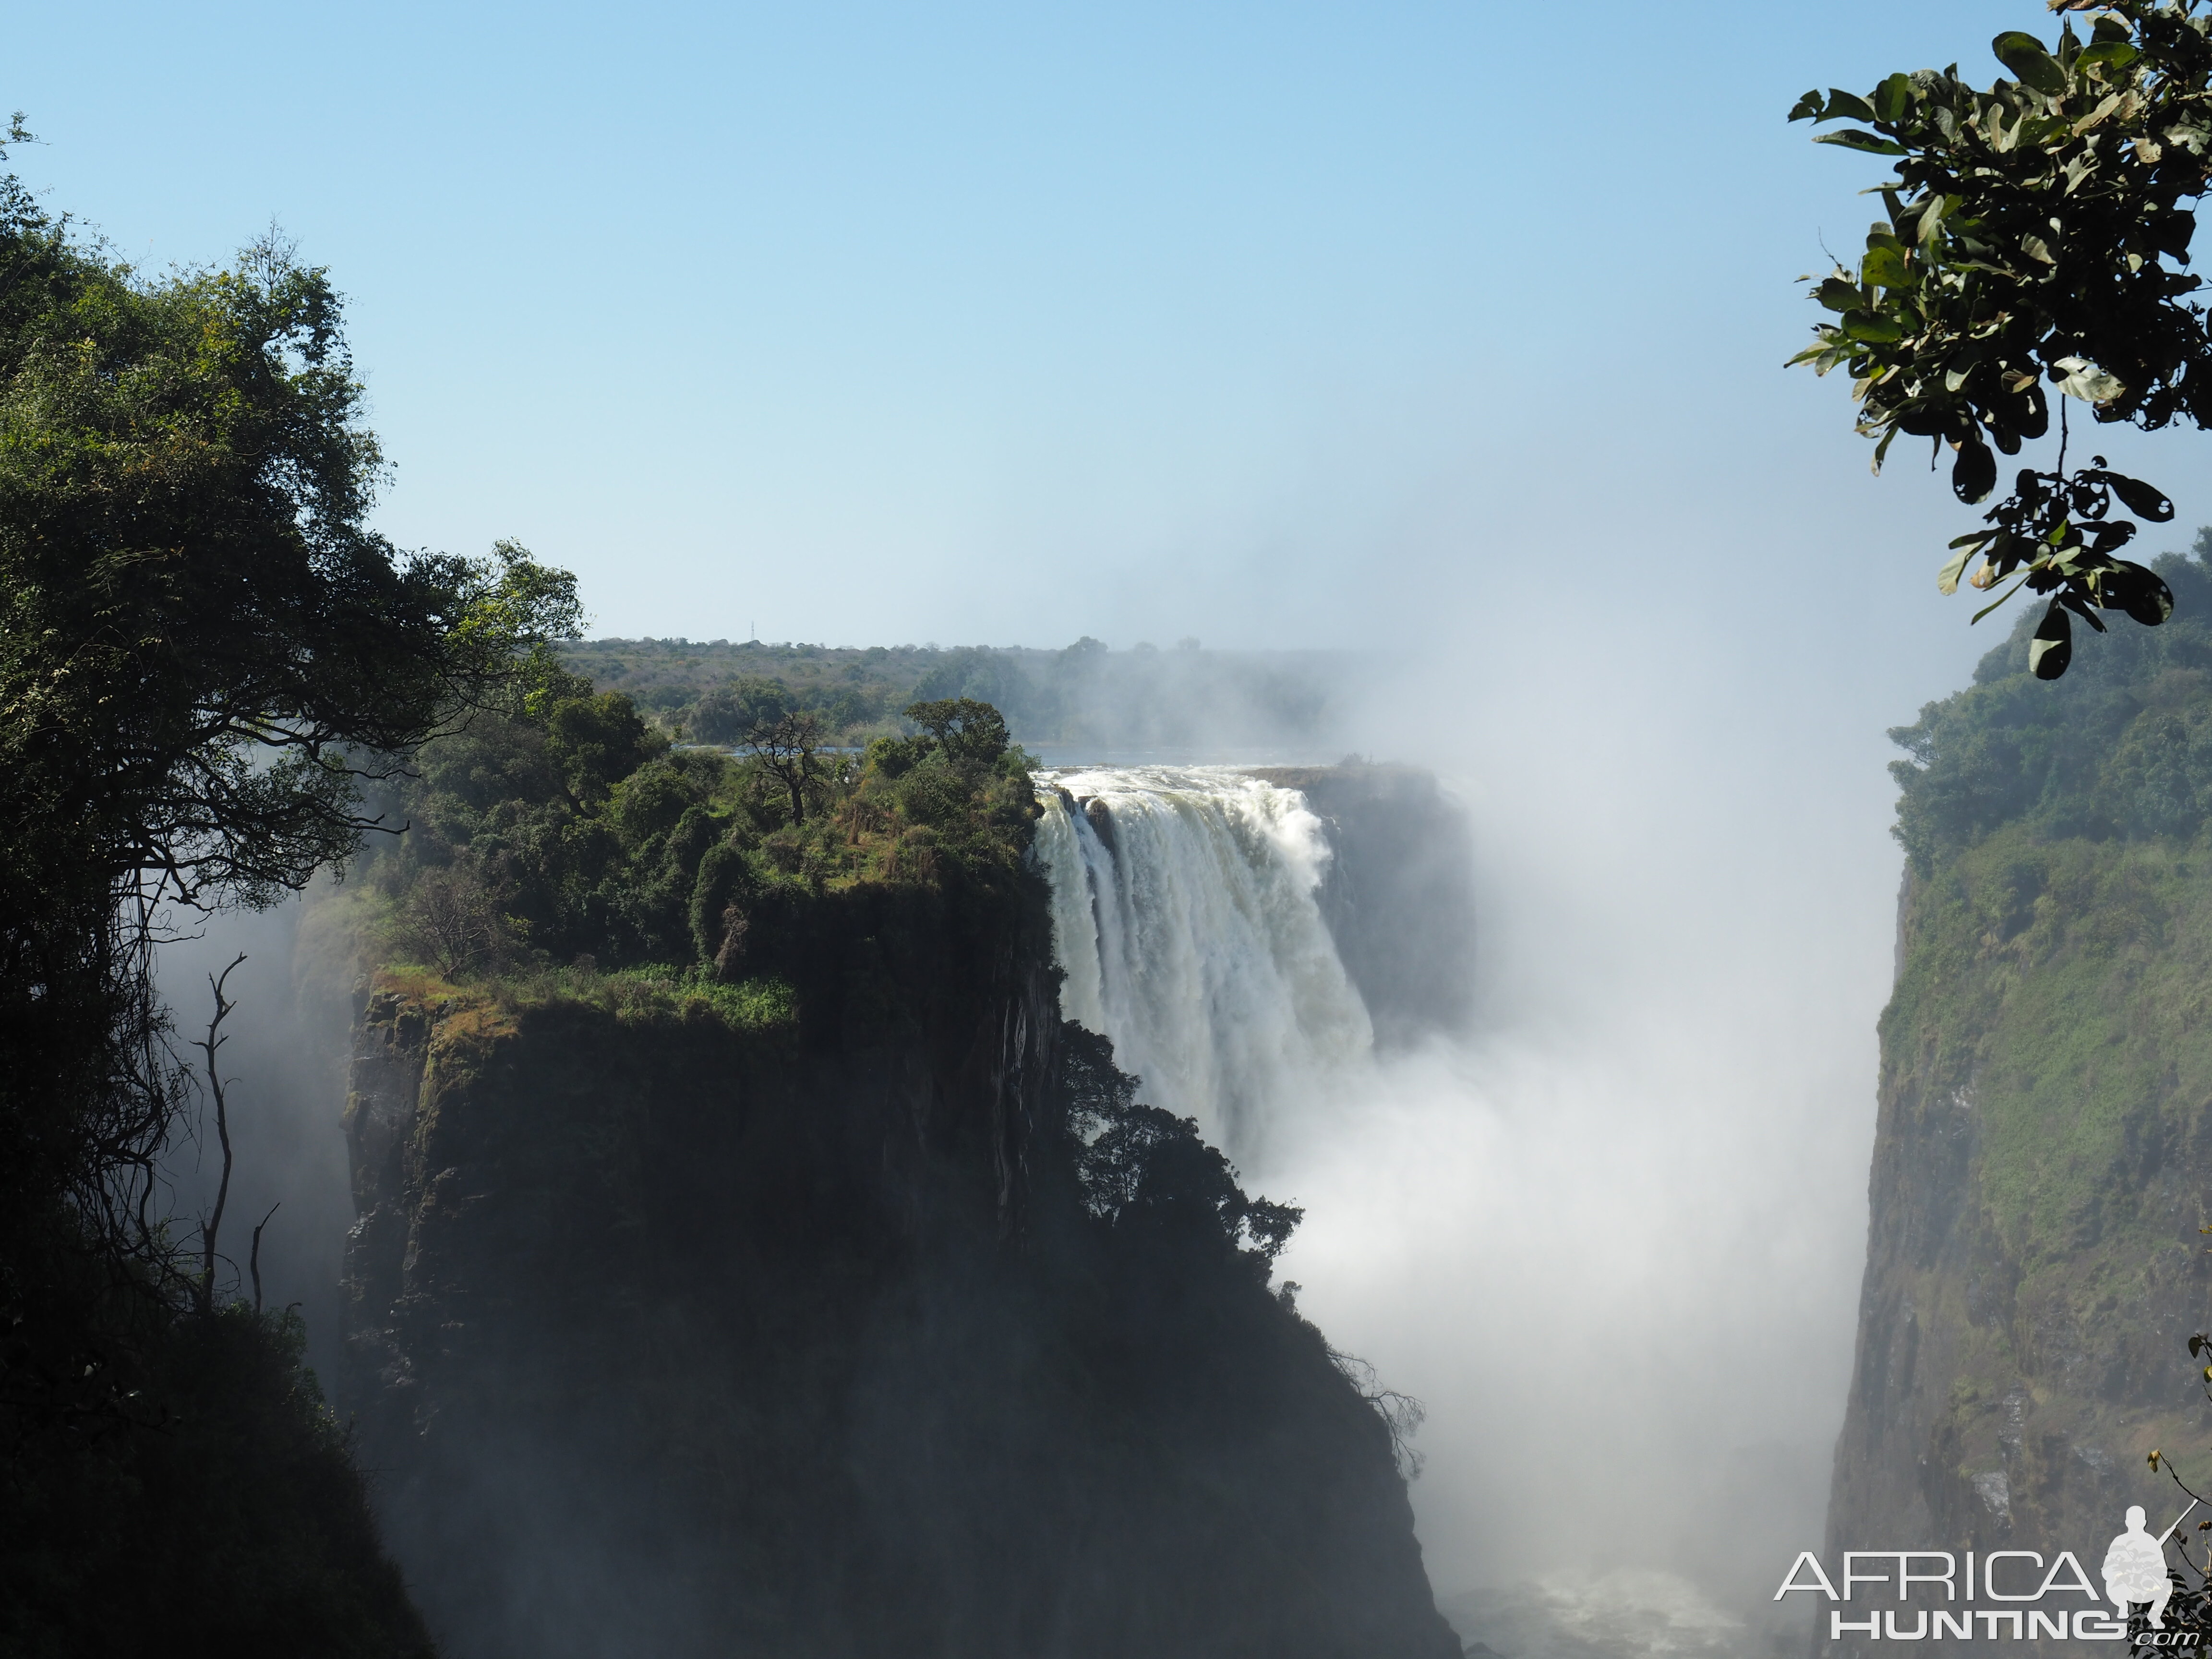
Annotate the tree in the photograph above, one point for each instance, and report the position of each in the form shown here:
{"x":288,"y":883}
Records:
{"x":204,"y":655}
{"x":451,"y":919}
{"x":597,"y":740}
{"x":964,"y":728}
{"x":1137,"y":1166}
{"x":2037,"y":243}
{"x":788,"y":746}
{"x":736,"y":706}
{"x":766,"y":720}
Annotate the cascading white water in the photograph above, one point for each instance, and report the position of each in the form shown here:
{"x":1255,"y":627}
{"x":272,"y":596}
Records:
{"x":1194,"y":940}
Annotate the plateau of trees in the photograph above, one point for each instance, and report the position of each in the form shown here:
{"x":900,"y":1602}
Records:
{"x":2121,"y":751}
{"x":2033,"y":256}
{"x":567,"y":828}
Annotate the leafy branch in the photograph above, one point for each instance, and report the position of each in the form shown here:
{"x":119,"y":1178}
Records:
{"x":2035,"y":244}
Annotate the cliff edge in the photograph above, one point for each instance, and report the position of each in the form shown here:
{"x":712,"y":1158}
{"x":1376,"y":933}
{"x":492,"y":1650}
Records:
{"x":2042,"y":1165}
{"x":823,"y":1294}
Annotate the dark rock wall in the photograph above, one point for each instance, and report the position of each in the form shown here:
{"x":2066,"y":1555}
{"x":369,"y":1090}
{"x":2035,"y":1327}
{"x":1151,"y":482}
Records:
{"x":666,"y":1337}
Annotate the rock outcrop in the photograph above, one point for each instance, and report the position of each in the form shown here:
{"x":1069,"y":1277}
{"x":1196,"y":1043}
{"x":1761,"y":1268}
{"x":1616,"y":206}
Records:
{"x":678,"y":1333}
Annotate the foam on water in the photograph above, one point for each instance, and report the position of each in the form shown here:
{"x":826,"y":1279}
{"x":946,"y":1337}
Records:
{"x":1600,"y":1614}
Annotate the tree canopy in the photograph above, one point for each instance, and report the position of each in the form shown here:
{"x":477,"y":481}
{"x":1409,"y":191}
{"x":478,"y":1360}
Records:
{"x":2121,"y":752}
{"x":202,"y":643}
{"x":206,"y":656}
{"x":2035,"y":247}
{"x":204,"y":653}
{"x":204,"y":649}
{"x":536,"y":840}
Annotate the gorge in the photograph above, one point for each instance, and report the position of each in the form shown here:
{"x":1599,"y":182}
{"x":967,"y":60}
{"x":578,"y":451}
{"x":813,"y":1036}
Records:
{"x":539,"y":1493}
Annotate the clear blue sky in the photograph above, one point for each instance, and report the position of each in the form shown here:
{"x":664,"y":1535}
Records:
{"x":1272,"y":324}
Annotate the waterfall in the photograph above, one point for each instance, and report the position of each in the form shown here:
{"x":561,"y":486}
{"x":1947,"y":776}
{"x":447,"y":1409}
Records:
{"x":1184,"y":916}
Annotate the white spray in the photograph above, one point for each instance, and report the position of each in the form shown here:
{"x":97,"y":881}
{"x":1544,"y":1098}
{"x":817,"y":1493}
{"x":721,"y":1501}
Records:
{"x":1506,"y":1225}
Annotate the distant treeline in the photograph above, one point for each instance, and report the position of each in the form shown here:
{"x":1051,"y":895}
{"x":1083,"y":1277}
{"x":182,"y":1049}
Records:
{"x":1145,"y":698}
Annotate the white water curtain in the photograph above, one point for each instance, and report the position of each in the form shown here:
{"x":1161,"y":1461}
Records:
{"x":1194,"y":941}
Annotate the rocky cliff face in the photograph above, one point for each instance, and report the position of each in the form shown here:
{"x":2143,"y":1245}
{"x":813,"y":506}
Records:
{"x":2043,"y":1167}
{"x":1399,"y":895}
{"x":679,"y":1331}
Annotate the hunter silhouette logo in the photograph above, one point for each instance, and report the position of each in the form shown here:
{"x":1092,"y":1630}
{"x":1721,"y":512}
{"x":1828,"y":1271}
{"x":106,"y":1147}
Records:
{"x":2135,"y":1567}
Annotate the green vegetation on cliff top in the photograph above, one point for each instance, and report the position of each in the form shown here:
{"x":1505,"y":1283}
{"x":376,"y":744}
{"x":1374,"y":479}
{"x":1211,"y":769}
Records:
{"x":561,"y":848}
{"x":2120,"y":749}
{"x":2057,"y":911}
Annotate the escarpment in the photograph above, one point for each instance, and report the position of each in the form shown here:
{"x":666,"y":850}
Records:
{"x":853,"y":1306}
{"x":2042,"y":1167}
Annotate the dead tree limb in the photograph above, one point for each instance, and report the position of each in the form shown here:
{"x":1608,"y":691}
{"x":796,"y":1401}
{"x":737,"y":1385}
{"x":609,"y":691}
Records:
{"x":253,"y":1258}
{"x":212,"y":1225}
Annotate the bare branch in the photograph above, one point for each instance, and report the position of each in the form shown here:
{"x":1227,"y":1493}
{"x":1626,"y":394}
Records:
{"x":254,"y":1257}
{"x":212,"y":1226}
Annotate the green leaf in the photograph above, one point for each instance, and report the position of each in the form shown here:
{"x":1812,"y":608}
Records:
{"x":1932,"y":214}
{"x":2024,"y":55}
{"x":1807,"y":109}
{"x":2052,"y":647}
{"x":1847,"y":107}
{"x":1884,"y":267}
{"x":2116,"y":53}
{"x":1999,"y":600}
{"x":1974,"y":474}
{"x":1853,"y":138}
{"x":1947,"y":578}
{"x":1837,"y":295}
{"x":2145,"y":500}
{"x":2109,"y":104}
{"x":1873,"y":330}
{"x":1972,"y":539}
{"x":1892,"y":97}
